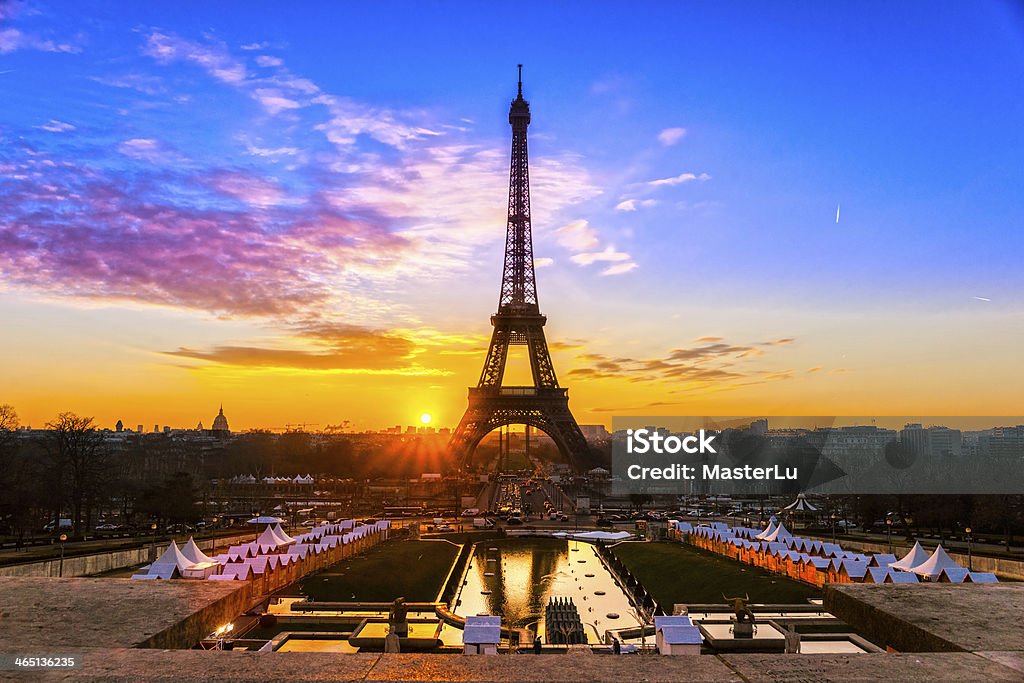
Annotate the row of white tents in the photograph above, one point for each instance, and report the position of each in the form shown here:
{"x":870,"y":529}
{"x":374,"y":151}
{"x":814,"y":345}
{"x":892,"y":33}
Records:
{"x":272,"y":549}
{"x":777,"y":548}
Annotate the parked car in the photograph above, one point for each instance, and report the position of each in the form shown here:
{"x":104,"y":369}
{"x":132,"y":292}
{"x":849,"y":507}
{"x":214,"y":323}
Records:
{"x":107,"y":527}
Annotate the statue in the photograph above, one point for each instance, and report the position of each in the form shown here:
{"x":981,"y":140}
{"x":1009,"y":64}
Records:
{"x":397,"y":621}
{"x":741,"y":608}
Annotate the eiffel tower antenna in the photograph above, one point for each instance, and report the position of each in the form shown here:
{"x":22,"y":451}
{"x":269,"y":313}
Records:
{"x":518,"y":321}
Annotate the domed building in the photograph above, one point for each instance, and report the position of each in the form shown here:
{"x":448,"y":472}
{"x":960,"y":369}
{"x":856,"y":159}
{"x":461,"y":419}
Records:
{"x":220,"y":423}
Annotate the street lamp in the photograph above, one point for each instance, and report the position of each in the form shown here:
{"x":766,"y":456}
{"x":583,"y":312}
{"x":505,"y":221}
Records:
{"x":970,"y":539}
{"x":60,"y":570}
{"x":152,"y":527}
{"x":888,"y":531}
{"x":834,"y":517}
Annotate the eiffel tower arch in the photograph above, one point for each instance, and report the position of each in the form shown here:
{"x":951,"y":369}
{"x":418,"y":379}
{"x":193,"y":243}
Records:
{"x":543,"y":405}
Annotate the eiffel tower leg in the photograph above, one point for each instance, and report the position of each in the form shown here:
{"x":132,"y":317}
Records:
{"x":547,"y":411}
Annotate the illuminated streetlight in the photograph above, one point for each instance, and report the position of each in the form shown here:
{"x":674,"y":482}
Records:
{"x":970,"y":539}
{"x":60,"y":571}
{"x":888,"y":528}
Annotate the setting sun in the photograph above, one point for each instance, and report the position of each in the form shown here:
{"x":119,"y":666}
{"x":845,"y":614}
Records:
{"x":425,"y":418}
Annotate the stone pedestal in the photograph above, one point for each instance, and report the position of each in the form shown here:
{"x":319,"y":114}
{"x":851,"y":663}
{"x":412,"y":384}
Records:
{"x":743,"y":629}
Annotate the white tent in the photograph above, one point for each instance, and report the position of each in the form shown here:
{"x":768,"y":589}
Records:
{"x":281,"y":536}
{"x":934,"y":565}
{"x":767,"y":532}
{"x":267,"y":541}
{"x":193,"y":553}
{"x":169,"y":565}
{"x":781,"y":535}
{"x":801,"y":504}
{"x":916,"y":556}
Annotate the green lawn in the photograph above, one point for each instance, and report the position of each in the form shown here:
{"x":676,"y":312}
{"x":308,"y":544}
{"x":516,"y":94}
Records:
{"x":675,"y":573}
{"x":414,"y":570}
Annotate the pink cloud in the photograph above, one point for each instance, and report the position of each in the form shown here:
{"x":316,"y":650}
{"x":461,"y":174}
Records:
{"x":104,"y":234}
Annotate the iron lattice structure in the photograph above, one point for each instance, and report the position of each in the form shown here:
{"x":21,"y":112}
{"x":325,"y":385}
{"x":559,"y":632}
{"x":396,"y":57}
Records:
{"x":543,"y":405}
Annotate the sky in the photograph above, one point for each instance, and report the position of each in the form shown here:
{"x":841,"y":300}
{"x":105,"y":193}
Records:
{"x":300,"y":213}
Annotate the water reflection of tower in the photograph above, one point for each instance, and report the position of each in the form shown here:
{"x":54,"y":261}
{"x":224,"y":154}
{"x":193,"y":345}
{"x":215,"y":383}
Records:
{"x":517,"y":573}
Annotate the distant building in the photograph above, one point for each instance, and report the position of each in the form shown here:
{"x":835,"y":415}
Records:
{"x":594,"y":432}
{"x":921,"y":440}
{"x":1003,"y":443}
{"x":220,"y":423}
{"x":759,"y":427}
{"x":119,"y":427}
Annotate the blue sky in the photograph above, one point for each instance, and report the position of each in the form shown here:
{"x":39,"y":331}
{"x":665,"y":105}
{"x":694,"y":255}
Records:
{"x":319,"y":193}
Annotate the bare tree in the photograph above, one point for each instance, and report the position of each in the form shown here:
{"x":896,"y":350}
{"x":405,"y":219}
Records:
{"x":8,"y":425}
{"x":80,"y":460}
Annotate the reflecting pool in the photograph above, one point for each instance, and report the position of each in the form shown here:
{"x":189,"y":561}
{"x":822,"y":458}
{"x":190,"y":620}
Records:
{"x":515,"y":578}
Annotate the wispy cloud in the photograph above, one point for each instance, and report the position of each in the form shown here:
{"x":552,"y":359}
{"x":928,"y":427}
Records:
{"x":680,"y":179}
{"x":274,"y":101}
{"x":212,"y":58}
{"x":671,"y":136}
{"x":619,"y":268}
{"x":143,"y":83}
{"x":608,"y":254}
{"x":12,"y":39}
{"x":713,"y":361}
{"x":577,"y":236}
{"x":630,"y":205}
{"x":55,"y":126}
{"x":268,"y":61}
{"x":334,"y":347}
{"x":150,"y":150}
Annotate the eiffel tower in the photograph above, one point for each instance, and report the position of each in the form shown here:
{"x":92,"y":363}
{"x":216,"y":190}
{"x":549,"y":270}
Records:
{"x":544,"y":405}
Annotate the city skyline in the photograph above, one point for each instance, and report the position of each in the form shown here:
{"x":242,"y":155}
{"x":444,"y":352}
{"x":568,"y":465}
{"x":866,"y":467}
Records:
{"x":211,"y":207}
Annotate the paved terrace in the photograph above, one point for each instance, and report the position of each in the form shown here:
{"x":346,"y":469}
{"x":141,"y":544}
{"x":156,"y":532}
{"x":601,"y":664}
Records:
{"x":49,"y":615}
{"x":116,"y":626}
{"x":934,"y":617}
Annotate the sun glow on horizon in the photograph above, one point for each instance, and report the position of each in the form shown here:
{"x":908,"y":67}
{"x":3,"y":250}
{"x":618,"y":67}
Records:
{"x":425,"y":418}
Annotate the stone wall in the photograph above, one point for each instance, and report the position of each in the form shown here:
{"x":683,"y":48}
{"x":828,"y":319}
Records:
{"x":97,"y":563}
{"x":882,"y":626}
{"x":201,"y":623}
